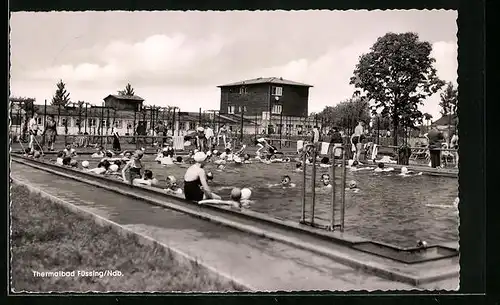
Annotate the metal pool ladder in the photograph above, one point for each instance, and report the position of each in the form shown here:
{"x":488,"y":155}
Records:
{"x":332,"y":226}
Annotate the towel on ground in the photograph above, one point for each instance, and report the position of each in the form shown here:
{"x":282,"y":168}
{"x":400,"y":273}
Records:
{"x":300,"y":145}
{"x":178,"y":142}
{"x":324,"y":148}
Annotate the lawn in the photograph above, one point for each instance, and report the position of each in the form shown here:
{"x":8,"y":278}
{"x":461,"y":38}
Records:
{"x":47,"y":237}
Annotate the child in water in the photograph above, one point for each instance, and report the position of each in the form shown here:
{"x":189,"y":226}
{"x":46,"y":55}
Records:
{"x":325,"y":179}
{"x":353,"y":186}
{"x":381,"y":168}
{"x":298,"y":167}
{"x":133,"y":169}
{"x":171,"y":186}
{"x":325,"y":162}
{"x":69,"y":151}
{"x":286,"y":181}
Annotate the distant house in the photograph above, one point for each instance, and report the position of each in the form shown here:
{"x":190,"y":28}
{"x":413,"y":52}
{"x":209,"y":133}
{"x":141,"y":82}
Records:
{"x":270,"y":101}
{"x":445,"y":120}
{"x":124,"y":102}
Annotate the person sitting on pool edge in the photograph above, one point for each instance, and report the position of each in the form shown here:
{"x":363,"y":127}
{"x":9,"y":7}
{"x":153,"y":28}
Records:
{"x":147,"y":179}
{"x":133,"y":168}
{"x":195,"y":180}
{"x":69,"y":151}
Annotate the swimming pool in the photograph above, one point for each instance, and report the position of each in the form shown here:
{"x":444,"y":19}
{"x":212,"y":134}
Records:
{"x":388,"y":207}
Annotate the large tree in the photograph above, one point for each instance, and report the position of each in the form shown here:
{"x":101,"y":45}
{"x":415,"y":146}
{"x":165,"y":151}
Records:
{"x":128,"y":91}
{"x":61,"y":97}
{"x":397,"y":75}
{"x":346,"y":114}
{"x":449,"y":103}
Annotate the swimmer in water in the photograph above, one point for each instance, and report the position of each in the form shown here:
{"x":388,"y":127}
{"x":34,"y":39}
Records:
{"x":286,"y":181}
{"x":246,"y":193}
{"x":405,"y":172}
{"x":147,"y":179}
{"x":325,"y":162}
{"x":353,"y":186}
{"x":235,"y":200}
{"x":325,"y":179}
{"x":101,"y":168}
{"x":381,"y":168}
{"x":100,"y":153}
{"x":195,"y":180}
{"x":246,"y":159}
{"x":298,"y":167}
{"x":171,"y":187}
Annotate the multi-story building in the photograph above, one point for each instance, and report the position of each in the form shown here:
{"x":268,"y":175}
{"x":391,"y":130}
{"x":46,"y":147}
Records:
{"x":271,"y":102}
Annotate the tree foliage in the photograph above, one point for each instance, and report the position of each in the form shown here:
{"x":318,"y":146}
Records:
{"x":61,"y":97}
{"x":449,"y":100}
{"x":128,"y":91}
{"x":346,"y":114}
{"x":397,"y":75}
{"x":427,"y":117}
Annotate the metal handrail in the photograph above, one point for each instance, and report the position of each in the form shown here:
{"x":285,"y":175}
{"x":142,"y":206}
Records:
{"x":333,"y":199}
{"x":304,"y":164}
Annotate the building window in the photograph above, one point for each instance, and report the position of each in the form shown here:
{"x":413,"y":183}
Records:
{"x":277,"y":109}
{"x":62,"y":122}
{"x":243,"y":90}
{"x":244,"y":108}
{"x":231,"y":109}
{"x":277,"y":91}
{"x":39,"y":120}
{"x":118,"y":124}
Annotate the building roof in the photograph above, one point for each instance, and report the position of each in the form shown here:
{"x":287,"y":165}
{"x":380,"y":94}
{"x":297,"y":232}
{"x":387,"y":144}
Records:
{"x":266,"y":80}
{"x":445,"y":120}
{"x":126,"y":97}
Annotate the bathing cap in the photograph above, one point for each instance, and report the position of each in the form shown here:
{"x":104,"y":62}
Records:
{"x":199,"y":156}
{"x":73,"y":163}
{"x":172,"y":179}
{"x":113,"y":167}
{"x":353,"y":184}
{"x":236,"y":194}
{"x":85,"y":164}
{"x":246,"y":193}
{"x":404,"y":170}
{"x":215,"y":151}
{"x":210,"y":176}
{"x":209,"y":153}
{"x":246,"y":157}
{"x":143,"y":149}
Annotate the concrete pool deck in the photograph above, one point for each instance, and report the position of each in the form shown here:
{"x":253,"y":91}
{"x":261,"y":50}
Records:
{"x":448,"y":267}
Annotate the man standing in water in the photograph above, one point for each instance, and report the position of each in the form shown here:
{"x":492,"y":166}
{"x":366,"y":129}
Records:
{"x":435,"y":138}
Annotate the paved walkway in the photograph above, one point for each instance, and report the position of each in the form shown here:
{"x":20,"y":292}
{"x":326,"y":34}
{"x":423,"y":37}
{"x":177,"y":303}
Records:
{"x":258,"y":262}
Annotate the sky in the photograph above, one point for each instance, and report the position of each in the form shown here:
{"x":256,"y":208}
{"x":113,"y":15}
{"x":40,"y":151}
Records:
{"x":179,"y":58}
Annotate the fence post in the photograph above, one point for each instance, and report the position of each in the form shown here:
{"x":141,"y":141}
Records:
{"x":332,"y":181}
{"x":313,"y":184}
{"x":342,"y":206}
{"x":241,"y":131}
{"x":304,"y":168}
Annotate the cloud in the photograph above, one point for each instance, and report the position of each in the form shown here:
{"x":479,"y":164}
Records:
{"x":159,"y":57}
{"x":445,"y":53}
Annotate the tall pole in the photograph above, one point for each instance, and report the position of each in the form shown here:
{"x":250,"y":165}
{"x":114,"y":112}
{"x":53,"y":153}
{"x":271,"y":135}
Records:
{"x":102,"y":119}
{"x":85,"y":117}
{"x":281,"y":124}
{"x":173,"y":122}
{"x":241,"y":128}
{"x":199,"y":117}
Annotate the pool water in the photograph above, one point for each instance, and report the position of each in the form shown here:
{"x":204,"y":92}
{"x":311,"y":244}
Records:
{"x":387,"y":207}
